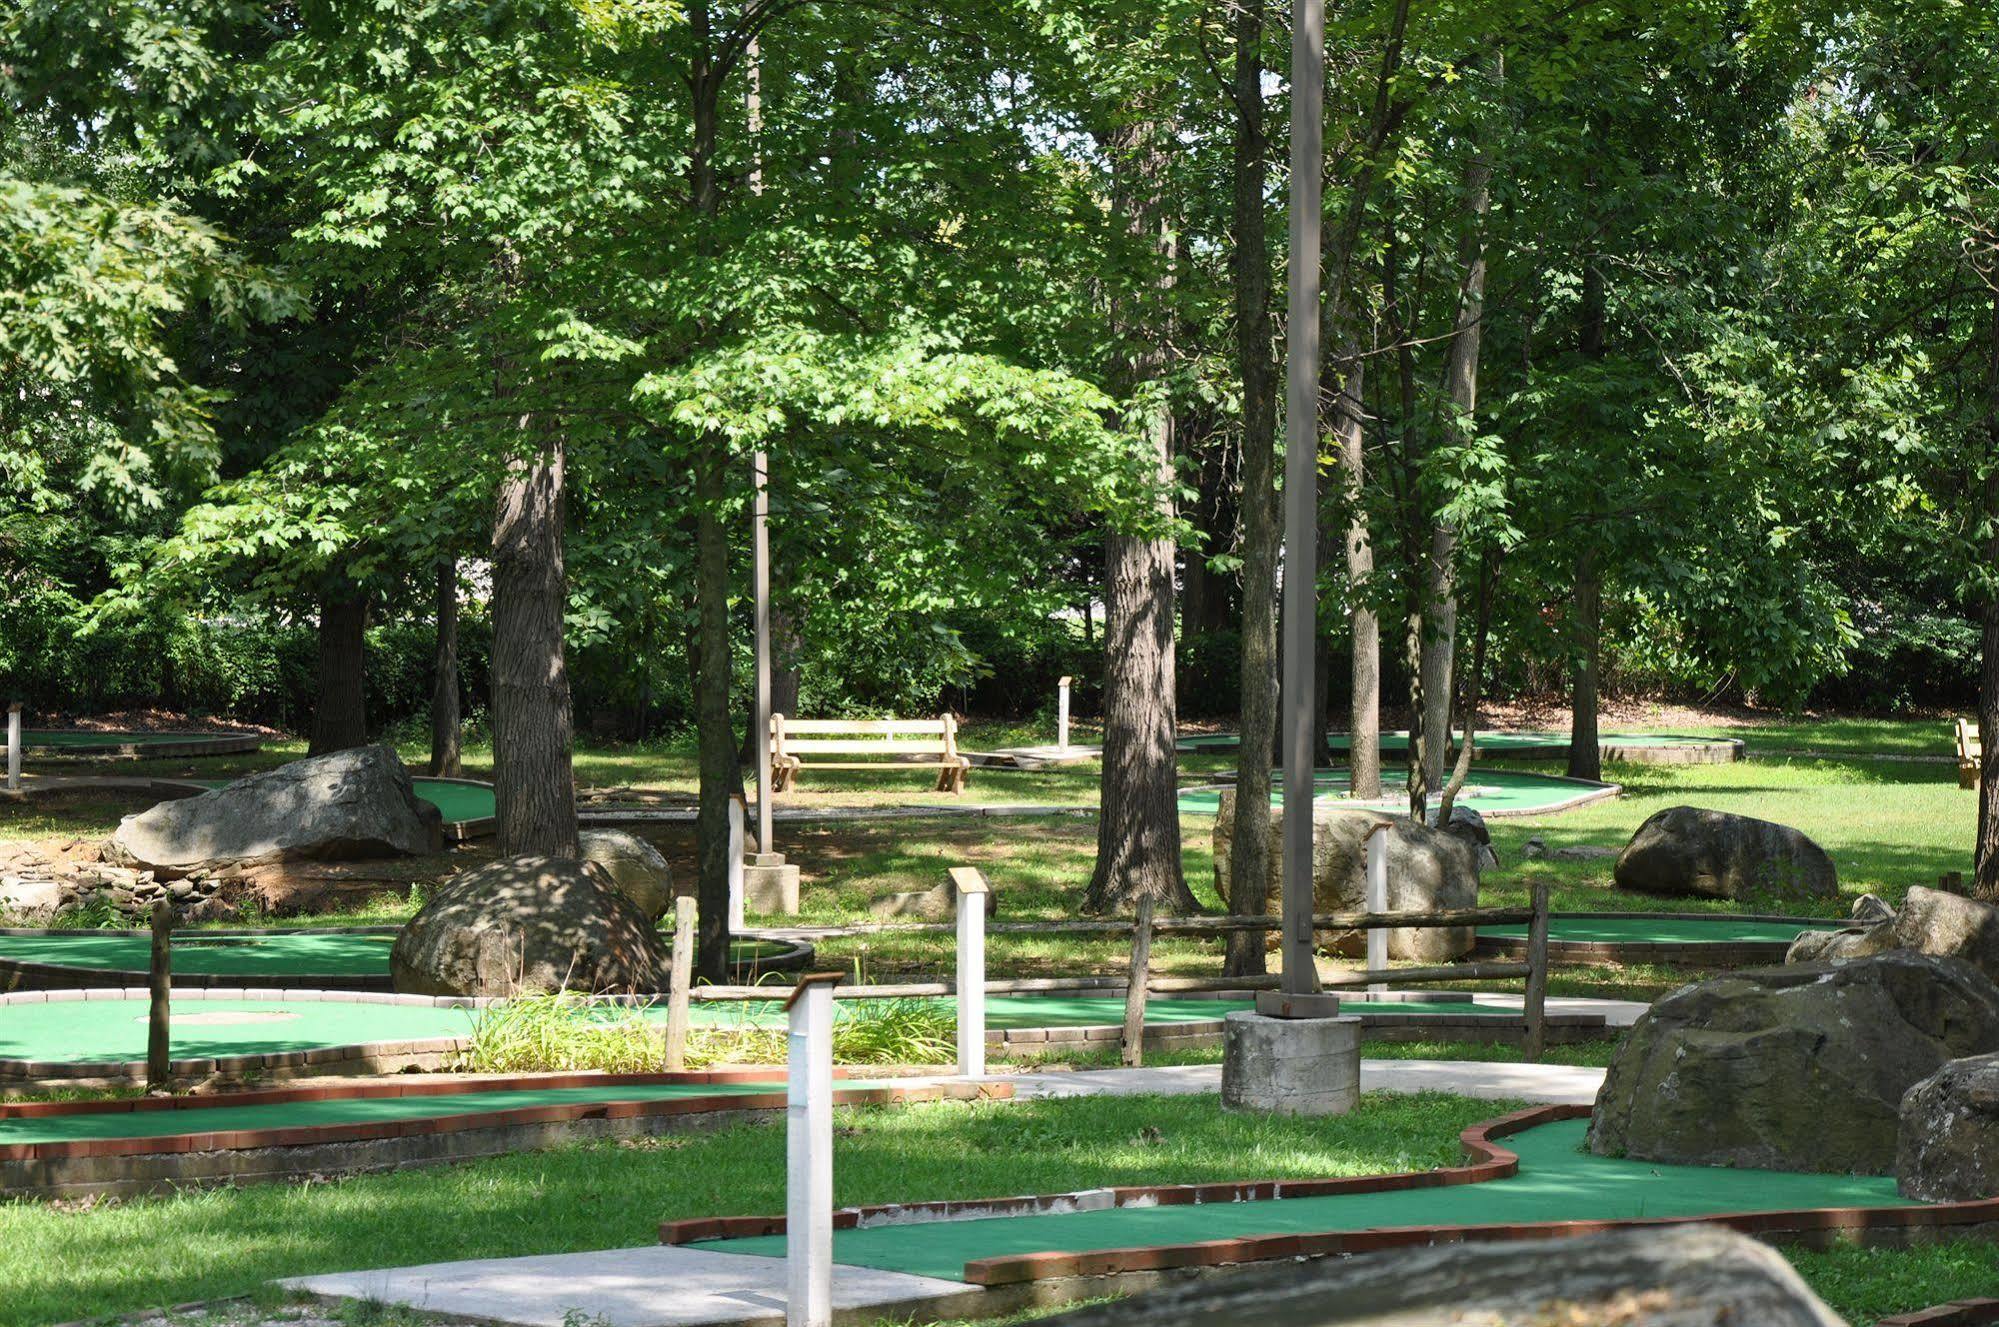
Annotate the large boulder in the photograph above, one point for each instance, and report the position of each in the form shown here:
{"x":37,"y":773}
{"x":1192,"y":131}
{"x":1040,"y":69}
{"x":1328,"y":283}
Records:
{"x":1930,"y":921}
{"x":1791,"y":1068}
{"x":1688,"y":850}
{"x":1949,"y":1145}
{"x":638,"y":870}
{"x":1428,"y":870}
{"x":339,"y":806}
{"x":1676,"y":1276}
{"x":527,"y":924}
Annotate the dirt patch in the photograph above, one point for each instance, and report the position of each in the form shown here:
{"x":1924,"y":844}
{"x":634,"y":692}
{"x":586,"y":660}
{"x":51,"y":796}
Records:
{"x":147,"y":721}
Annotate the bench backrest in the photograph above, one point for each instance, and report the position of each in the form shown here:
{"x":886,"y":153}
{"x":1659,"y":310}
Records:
{"x":863,"y":737}
{"x":1967,"y":740}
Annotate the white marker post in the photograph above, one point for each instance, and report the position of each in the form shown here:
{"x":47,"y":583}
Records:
{"x":1062,"y":714}
{"x":1377,"y":902}
{"x":736,"y":866}
{"x":14,"y":746}
{"x":972,"y":891}
{"x":808,"y":1207}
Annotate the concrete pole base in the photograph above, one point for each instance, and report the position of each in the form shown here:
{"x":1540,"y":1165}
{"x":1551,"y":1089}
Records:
{"x":771,"y":889}
{"x":1290,"y":1066}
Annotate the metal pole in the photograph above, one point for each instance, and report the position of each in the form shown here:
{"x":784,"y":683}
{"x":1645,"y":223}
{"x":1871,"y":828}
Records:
{"x":760,"y":526}
{"x":1301,"y":484}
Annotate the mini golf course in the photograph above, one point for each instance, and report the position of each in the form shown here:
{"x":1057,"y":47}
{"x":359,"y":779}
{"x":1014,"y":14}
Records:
{"x":1490,"y":792}
{"x":1541,"y":1179}
{"x":353,"y":958}
{"x":108,"y":743}
{"x":102,"y":1033}
{"x":1636,"y":748}
{"x":1715,"y":940}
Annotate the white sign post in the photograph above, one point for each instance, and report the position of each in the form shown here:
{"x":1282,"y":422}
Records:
{"x":1062,"y":714}
{"x":735,"y":866}
{"x":14,"y":747}
{"x":972,"y":891}
{"x":808,"y":1208}
{"x":1377,"y":902}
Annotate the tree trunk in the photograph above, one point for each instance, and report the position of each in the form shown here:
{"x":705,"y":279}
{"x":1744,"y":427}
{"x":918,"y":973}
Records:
{"x":1585,"y":749}
{"x":445,"y":757}
{"x":1461,"y":385}
{"x":1138,"y":820}
{"x":720,"y":775}
{"x":1474,"y":692}
{"x":1985,"y":871}
{"x":534,"y":786}
{"x":340,"y":711}
{"x":1364,"y":715}
{"x":1247,"y":890}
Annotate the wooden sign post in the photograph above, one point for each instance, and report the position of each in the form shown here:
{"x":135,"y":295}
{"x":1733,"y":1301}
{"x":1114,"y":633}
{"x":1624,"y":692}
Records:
{"x":972,"y":888}
{"x":159,"y":1028}
{"x":736,"y":862}
{"x":1377,"y":902}
{"x":808,"y":1208}
{"x":679,"y":979}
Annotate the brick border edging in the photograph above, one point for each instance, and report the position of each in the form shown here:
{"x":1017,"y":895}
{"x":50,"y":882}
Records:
{"x":235,"y":1140}
{"x":1957,"y":1313}
{"x":1486,"y":1161}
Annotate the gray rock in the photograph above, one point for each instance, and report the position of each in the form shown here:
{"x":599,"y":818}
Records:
{"x":26,"y":894}
{"x":527,"y":923}
{"x":1688,"y":850}
{"x":939,"y":903}
{"x":1678,"y":1276}
{"x":340,"y":806}
{"x":1930,"y":922}
{"x":1791,"y":1068}
{"x":638,"y":870}
{"x":1949,"y":1144}
{"x":1427,"y":870}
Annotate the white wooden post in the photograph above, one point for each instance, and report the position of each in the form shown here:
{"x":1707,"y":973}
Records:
{"x":1377,"y":901}
{"x":808,"y":1208}
{"x":14,"y":747}
{"x":1062,"y":714}
{"x":972,"y":890}
{"x":735,"y":866}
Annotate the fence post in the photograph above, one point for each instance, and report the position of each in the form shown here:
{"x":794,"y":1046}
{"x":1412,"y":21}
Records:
{"x":159,"y":1027}
{"x":1134,"y":991}
{"x":1062,"y":714}
{"x":678,"y":982}
{"x":736,"y":851}
{"x":808,"y":1219}
{"x":972,"y":889}
{"x":1536,"y":1003}
{"x":14,"y":746}
{"x":1377,"y":902}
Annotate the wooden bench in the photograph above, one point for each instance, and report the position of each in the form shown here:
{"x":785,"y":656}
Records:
{"x":1969,"y":755}
{"x":926,"y":743}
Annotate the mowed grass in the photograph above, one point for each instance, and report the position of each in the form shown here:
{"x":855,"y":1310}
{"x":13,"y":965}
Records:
{"x":63,"y":1265}
{"x":1863,"y":1285}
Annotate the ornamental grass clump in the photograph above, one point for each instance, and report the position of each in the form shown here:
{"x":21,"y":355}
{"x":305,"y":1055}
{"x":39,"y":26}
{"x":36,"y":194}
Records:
{"x":563,"y":1031}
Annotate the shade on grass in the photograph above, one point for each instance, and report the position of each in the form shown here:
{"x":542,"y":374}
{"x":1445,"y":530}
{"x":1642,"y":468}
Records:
{"x":351,"y":1110}
{"x":62,"y":739}
{"x":1398,"y":741}
{"x":1557,"y":1182}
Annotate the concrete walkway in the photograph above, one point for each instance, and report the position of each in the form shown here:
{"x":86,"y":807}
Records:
{"x":660,"y":1286}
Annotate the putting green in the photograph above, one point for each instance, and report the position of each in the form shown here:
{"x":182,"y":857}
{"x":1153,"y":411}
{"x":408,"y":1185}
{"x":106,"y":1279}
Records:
{"x":1719,"y":929}
{"x":112,"y":1031}
{"x":1557,"y":1182}
{"x":61,"y":739}
{"x":1398,"y":741}
{"x":282,"y":956}
{"x":455,"y":801}
{"x":1498,"y":792}
{"x":350,"y":1110}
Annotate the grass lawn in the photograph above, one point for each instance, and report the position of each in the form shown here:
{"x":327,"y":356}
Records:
{"x":61,"y":1265}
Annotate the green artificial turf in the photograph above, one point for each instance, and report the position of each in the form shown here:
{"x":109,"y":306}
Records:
{"x":95,"y":1031}
{"x":284,"y":956}
{"x":1714,"y":929}
{"x":349,"y":1110}
{"x":1557,"y":1182}
{"x":1507,"y":791}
